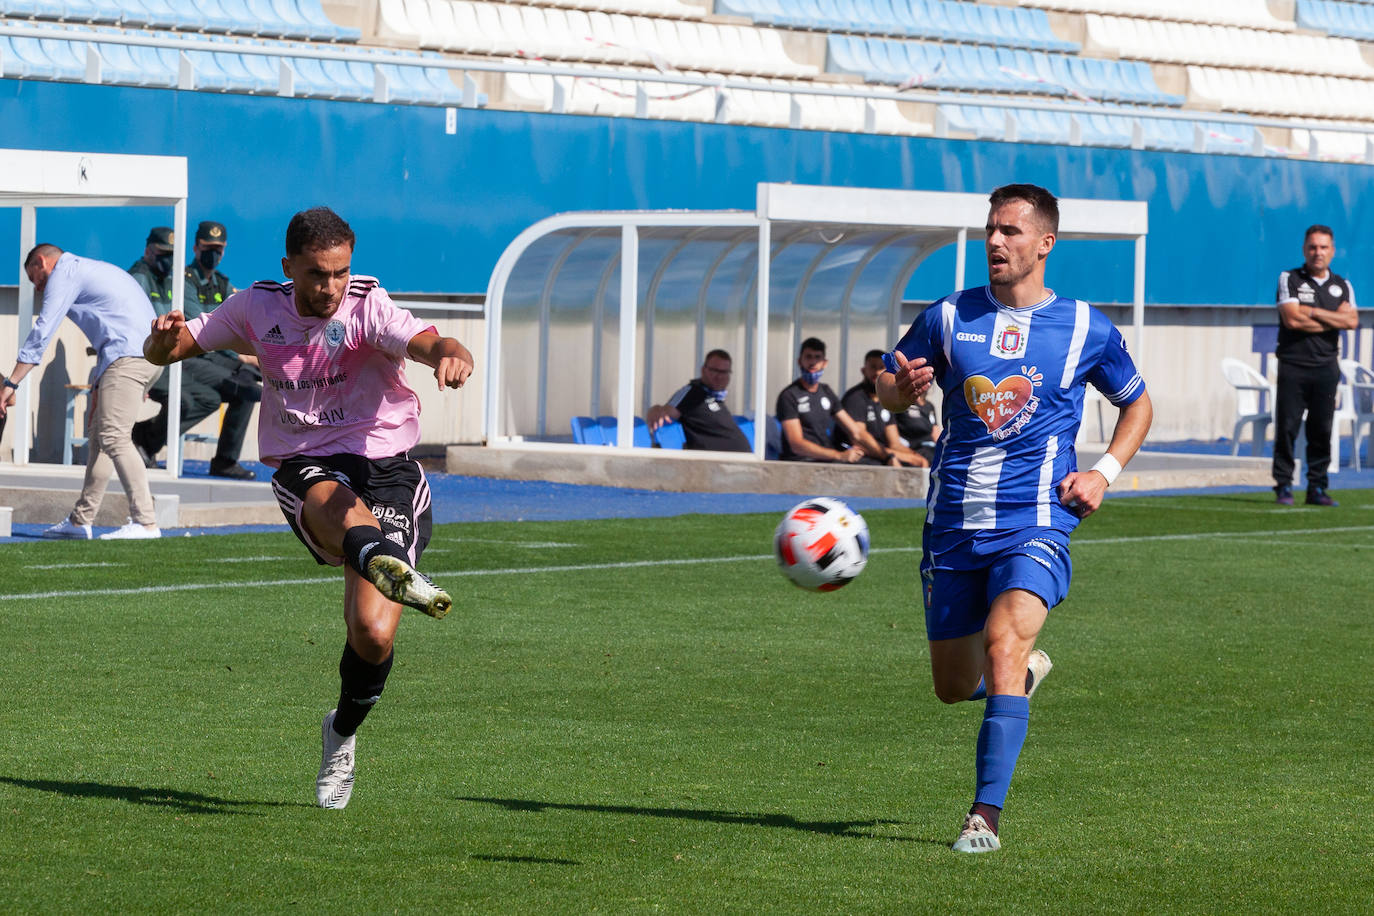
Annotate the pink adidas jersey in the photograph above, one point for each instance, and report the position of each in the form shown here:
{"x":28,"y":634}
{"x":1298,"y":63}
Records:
{"x":329,"y":385}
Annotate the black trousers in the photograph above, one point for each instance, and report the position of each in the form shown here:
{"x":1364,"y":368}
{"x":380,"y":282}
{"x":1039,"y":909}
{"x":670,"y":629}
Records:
{"x":207,"y":381}
{"x":1310,"y":388}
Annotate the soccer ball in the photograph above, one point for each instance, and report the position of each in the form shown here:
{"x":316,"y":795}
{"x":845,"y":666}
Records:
{"x":821,"y":544}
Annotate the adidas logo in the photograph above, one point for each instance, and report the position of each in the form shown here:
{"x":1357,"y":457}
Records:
{"x":275,"y":335}
{"x":397,"y":537}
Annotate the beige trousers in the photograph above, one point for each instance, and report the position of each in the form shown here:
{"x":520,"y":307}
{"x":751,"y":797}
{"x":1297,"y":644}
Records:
{"x":115,"y":402}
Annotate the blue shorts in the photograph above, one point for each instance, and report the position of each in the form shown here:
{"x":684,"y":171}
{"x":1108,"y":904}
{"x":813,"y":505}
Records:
{"x":963,"y":571}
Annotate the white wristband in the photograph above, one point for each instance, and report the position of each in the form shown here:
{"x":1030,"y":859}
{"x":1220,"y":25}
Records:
{"x":1108,"y":467}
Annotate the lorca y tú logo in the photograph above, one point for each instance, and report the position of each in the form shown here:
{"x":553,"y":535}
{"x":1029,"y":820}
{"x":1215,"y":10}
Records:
{"x":1005,"y":407}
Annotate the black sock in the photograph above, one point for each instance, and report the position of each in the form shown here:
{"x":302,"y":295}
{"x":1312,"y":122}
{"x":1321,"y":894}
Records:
{"x":361,"y":684}
{"x":362,"y":541}
{"x":990,"y":813}
{"x":1030,"y":679}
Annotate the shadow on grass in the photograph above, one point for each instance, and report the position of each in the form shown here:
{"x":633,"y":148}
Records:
{"x":190,"y":802}
{"x":863,"y":829}
{"x":523,"y":860}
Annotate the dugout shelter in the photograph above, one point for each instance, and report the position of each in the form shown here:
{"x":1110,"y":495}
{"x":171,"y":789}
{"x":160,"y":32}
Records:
{"x":606,"y":313}
{"x":32,"y":180}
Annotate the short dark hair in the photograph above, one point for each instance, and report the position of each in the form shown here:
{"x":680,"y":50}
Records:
{"x":1045,"y":204}
{"x":716,"y":354}
{"x":317,"y":228}
{"x":812,"y":343}
{"x":1318,"y":228}
{"x":873,"y":354}
{"x":45,"y":249}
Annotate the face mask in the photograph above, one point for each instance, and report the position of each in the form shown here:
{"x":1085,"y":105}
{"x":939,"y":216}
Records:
{"x":812,"y":378}
{"x":209,"y":258}
{"x":719,"y":393}
{"x":163,"y":264}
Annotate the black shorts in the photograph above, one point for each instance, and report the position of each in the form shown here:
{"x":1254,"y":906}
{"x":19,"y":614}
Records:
{"x":395,"y":489}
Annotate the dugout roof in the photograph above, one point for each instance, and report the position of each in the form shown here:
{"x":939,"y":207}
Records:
{"x":838,"y":261}
{"x":35,"y":179}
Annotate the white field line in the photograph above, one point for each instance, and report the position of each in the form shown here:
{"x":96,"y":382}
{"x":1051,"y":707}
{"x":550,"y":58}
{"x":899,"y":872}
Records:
{"x":242,"y":559}
{"x":1260,"y":536}
{"x":72,"y":565}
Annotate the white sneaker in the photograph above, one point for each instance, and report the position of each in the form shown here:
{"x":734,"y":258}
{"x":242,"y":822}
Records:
{"x":131,"y":531}
{"x":976,"y":836}
{"x":395,"y":579}
{"x":1039,"y":666}
{"x":334,"y":785}
{"x":65,"y":529}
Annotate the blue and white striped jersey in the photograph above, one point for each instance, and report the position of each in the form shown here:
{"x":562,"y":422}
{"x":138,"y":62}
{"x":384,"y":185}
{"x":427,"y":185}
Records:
{"x":1013,"y":382}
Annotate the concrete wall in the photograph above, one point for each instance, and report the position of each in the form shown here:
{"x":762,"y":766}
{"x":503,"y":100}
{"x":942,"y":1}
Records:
{"x":447,"y":417}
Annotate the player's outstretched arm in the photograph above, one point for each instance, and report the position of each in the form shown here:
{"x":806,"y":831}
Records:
{"x":1082,"y":491}
{"x":450,"y":360}
{"x":169,"y":341}
{"x":900,"y":391}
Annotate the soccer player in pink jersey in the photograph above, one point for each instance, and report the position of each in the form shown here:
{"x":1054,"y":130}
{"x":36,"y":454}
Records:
{"x":338,"y":418}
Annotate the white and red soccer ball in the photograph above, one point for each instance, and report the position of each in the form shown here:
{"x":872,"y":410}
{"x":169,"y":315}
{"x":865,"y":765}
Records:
{"x":821,"y":544}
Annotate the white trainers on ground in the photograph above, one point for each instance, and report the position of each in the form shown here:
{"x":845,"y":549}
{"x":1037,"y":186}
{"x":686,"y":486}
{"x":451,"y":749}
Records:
{"x":334,"y":785}
{"x":1040,"y":666}
{"x":395,"y":579}
{"x":131,"y":531}
{"x":66,"y":530}
{"x":976,"y":836}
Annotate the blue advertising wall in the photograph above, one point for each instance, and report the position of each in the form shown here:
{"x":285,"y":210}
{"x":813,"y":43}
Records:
{"x":433,"y":211}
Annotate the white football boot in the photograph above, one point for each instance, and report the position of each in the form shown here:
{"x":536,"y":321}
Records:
{"x":334,"y":785}
{"x":1039,"y":666}
{"x":65,"y":530}
{"x":976,"y":836}
{"x":395,"y":579}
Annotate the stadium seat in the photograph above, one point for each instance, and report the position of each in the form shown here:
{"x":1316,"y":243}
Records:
{"x":1251,"y":389}
{"x":586,"y":431}
{"x":670,"y":435}
{"x":772,"y":448}
{"x":610,"y":434}
{"x":1361,"y":386}
{"x":746,"y":426}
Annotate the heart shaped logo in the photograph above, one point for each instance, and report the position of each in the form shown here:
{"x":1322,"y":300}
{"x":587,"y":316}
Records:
{"x":997,"y":404}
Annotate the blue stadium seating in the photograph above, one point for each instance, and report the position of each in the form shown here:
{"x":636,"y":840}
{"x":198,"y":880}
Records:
{"x":940,"y":20}
{"x":290,"y":19}
{"x":611,"y":436}
{"x":586,"y":431}
{"x":746,"y":426}
{"x":1345,"y":20}
{"x":983,"y":69}
{"x":670,"y":435}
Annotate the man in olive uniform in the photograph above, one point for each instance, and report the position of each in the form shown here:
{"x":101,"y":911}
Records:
{"x":202,"y":274}
{"x":153,"y":272}
{"x":211,"y":378}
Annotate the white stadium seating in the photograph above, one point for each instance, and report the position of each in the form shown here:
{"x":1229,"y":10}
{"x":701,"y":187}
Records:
{"x":1228,"y":46}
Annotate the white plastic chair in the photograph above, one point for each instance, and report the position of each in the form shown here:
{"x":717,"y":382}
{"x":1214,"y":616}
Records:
{"x":1250,"y":387}
{"x":1358,"y":385}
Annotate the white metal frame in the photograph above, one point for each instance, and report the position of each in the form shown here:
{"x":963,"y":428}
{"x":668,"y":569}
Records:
{"x":946,"y":217}
{"x":33,"y":179}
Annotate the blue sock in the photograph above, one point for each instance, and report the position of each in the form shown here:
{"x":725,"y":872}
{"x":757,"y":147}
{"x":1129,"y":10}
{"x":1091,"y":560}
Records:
{"x":981,"y":692}
{"x":1005,"y":720}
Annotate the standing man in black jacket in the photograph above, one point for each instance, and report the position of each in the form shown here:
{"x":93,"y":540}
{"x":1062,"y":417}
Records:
{"x":1315,"y":305}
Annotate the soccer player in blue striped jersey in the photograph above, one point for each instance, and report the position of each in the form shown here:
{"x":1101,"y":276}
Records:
{"x":1012,"y":359}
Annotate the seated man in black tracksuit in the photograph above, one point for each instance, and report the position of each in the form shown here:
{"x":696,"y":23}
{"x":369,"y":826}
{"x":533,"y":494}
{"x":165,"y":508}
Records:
{"x":700,"y":407}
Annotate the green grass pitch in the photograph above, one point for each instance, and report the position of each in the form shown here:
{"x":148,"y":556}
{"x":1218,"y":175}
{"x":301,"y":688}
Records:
{"x":642,"y":715}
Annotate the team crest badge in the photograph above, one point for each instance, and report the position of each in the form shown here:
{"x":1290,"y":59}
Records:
{"x":1009,"y":336}
{"x":334,"y":333}
{"x":1005,"y":407}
